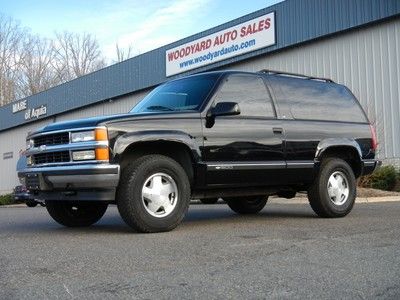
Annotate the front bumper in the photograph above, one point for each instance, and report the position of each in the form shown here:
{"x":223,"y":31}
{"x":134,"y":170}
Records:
{"x":370,"y":165}
{"x":72,"y":182}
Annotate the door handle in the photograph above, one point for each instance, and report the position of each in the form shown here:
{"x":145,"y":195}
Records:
{"x":277,"y":130}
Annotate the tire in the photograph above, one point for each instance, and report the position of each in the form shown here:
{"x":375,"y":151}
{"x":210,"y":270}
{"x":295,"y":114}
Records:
{"x":333,"y":192}
{"x":31,"y":203}
{"x":76,"y":213}
{"x":209,"y":200}
{"x":247,"y":205}
{"x":162,"y":210}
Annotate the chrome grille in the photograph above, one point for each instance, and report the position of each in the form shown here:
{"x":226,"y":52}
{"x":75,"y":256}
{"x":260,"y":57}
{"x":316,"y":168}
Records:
{"x":51,"y":139}
{"x":51,"y":157}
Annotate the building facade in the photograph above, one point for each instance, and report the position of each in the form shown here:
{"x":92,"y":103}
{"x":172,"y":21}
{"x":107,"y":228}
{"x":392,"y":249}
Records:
{"x":353,"y":42}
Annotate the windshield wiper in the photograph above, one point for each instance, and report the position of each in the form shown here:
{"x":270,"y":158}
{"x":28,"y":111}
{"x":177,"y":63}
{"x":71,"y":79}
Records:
{"x":159,"y":107}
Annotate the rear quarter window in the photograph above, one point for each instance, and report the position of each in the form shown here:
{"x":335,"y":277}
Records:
{"x":314,"y":100}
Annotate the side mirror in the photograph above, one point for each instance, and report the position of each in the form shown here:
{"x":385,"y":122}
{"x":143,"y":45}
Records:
{"x":225,"y":109}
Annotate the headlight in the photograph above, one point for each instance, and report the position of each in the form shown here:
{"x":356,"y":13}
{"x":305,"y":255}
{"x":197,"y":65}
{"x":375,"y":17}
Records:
{"x":82,"y":136}
{"x":29,"y":160}
{"x":83,"y":155}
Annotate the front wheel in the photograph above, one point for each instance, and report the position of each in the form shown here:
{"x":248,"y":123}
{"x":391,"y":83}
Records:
{"x":76,"y":213}
{"x":333,"y":191}
{"x":31,"y":203}
{"x":247,"y":205}
{"x":154,"y":194}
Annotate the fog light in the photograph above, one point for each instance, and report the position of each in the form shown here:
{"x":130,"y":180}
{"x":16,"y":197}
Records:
{"x":29,"y":144}
{"x":22,"y":180}
{"x":83,"y":155}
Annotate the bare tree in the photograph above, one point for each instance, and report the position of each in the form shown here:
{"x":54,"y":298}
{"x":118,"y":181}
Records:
{"x":76,"y":55}
{"x":36,"y":71}
{"x":11,"y":38}
{"x":123,"y":54}
{"x":30,"y":64}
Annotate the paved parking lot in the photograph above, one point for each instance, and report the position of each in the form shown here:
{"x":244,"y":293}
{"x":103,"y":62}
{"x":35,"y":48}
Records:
{"x":284,"y":252}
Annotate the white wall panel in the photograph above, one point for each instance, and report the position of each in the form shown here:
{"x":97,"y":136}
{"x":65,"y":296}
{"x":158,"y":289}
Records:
{"x":13,"y":141}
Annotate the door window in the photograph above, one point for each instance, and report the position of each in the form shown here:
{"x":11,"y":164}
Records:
{"x":250,"y":93}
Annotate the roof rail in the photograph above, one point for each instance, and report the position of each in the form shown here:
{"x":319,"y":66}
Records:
{"x":272,"y":72}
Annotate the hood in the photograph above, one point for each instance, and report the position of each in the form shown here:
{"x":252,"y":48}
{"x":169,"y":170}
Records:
{"x":95,"y":121}
{"x":81,"y":123}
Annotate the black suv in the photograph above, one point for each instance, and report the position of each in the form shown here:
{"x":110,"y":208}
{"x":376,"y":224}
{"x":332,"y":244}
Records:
{"x":236,"y":135}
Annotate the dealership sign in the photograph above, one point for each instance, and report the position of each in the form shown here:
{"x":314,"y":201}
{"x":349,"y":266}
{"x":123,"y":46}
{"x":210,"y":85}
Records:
{"x":30,"y":113}
{"x":246,"y":37}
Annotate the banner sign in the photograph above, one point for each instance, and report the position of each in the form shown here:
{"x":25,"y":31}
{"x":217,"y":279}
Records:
{"x":246,"y":37}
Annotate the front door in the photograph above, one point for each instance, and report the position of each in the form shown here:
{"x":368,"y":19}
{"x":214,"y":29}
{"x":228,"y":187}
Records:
{"x":245,"y":149}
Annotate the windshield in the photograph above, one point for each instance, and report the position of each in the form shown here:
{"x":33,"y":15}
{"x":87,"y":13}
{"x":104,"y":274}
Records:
{"x":183,"y":94}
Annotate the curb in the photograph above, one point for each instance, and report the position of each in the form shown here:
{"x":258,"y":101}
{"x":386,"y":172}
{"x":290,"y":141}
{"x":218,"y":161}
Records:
{"x":303,"y":200}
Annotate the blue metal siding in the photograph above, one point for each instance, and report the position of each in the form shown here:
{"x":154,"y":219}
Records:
{"x":297,"y":21}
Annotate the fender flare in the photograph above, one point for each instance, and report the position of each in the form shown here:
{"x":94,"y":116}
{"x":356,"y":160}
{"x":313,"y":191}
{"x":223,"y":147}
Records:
{"x":330,"y":143}
{"x":127,"y":139}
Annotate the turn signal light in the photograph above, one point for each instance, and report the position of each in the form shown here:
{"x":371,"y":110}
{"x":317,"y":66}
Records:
{"x":102,"y":154}
{"x":100,"y":134}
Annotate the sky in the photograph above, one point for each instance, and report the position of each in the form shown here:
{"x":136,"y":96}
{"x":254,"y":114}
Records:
{"x":142,"y":25}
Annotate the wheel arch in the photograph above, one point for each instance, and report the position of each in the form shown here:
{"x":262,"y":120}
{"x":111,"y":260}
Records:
{"x":176,"y":149}
{"x":346,"y":149}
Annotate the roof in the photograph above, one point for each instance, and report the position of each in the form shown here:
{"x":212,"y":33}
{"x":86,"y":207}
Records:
{"x":297,"y":21}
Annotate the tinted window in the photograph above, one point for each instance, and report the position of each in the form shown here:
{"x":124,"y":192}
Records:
{"x":183,"y":94}
{"x":249,"y":92}
{"x":314,"y":100}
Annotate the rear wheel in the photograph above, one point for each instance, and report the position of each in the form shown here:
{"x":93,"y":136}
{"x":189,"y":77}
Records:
{"x":247,"y":205}
{"x":76,"y":214}
{"x":333,"y":191}
{"x":153,"y":194}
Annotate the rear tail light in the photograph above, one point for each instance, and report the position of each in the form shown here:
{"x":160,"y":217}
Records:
{"x":374,"y":141}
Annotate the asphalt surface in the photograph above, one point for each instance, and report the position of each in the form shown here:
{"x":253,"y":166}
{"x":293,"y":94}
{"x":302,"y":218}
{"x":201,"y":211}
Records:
{"x":284,"y":252}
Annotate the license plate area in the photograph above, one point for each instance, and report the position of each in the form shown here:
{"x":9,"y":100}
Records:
{"x":32,"y":181}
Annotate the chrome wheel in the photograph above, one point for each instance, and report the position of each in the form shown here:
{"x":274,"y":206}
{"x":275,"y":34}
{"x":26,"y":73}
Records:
{"x":338,"y":188}
{"x":159,"y":195}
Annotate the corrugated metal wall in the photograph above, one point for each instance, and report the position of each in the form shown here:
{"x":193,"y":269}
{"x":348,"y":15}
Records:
{"x":13,"y":141}
{"x":297,"y":21}
{"x":116,"y":106}
{"x":367,"y":60}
